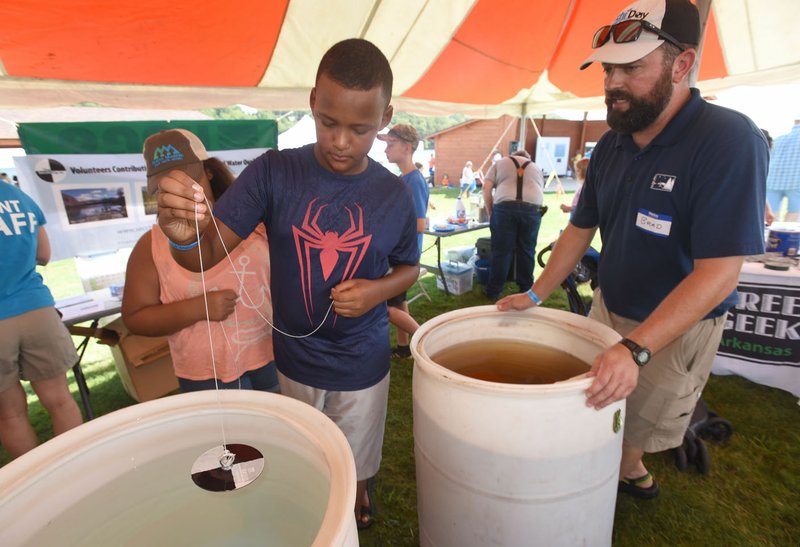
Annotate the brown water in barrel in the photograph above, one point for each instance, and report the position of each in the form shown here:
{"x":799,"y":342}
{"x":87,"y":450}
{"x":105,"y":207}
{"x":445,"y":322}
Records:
{"x":510,"y":362}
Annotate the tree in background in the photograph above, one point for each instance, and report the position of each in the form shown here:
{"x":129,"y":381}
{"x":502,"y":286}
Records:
{"x":285,"y":119}
{"x":425,"y":125}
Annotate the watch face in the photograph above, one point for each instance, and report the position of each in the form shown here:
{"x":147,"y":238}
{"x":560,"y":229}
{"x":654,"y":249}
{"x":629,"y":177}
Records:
{"x":640,"y":355}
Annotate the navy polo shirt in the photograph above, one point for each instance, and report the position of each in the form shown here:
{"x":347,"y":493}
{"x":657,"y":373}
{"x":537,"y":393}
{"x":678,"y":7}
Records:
{"x":696,"y":191}
{"x":323,"y":229}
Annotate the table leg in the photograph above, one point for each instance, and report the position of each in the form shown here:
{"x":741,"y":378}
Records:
{"x":80,"y":379}
{"x":83,"y":389}
{"x":439,"y":265}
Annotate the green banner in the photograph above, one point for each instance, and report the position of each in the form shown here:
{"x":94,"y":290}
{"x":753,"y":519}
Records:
{"x":128,"y":137}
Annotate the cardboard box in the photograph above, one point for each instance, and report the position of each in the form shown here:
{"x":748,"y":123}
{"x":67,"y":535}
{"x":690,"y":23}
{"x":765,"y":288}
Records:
{"x":102,"y":270}
{"x":458,"y":276}
{"x":143,"y":363}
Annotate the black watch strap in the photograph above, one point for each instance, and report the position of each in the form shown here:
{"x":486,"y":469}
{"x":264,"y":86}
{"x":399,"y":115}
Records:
{"x":641,"y":355}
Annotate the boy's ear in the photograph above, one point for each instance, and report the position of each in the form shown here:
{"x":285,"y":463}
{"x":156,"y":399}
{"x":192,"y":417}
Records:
{"x":312,"y":98}
{"x":387,"y":116}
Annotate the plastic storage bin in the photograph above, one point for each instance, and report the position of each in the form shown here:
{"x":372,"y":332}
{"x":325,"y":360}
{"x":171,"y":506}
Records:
{"x":458,"y":276}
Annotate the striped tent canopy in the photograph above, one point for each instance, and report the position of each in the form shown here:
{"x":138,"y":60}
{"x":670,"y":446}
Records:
{"x":478,"y":57}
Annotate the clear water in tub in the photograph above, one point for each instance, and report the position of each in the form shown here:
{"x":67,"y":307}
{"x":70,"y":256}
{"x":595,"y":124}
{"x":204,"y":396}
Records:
{"x":284,"y":506}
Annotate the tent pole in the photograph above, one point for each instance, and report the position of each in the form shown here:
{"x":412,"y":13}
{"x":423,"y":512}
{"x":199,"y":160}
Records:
{"x":503,"y":134}
{"x":582,"y":142}
{"x":704,"y":7}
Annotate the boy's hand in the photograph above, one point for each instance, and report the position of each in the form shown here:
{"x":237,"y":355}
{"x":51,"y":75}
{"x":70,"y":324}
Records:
{"x":221,"y":304}
{"x":177,"y":196}
{"x":353,"y":298}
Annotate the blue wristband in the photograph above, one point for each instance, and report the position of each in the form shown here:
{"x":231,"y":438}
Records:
{"x":533,"y":296}
{"x":186,"y":247}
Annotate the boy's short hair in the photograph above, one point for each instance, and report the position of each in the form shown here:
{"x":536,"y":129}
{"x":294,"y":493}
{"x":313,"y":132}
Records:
{"x":404,"y":132}
{"x":357,"y":64}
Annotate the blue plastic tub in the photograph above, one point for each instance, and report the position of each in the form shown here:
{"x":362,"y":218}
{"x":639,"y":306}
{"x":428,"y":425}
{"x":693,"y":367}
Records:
{"x":482,"y":271}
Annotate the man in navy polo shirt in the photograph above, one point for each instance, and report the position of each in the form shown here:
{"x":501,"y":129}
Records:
{"x":677,"y":190}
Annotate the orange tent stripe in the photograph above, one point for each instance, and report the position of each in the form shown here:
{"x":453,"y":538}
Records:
{"x":219,"y":43}
{"x":712,"y":64}
{"x":498,"y":50}
{"x":575,"y":48}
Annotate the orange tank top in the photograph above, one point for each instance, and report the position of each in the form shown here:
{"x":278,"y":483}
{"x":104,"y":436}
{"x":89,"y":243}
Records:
{"x":249,"y":344}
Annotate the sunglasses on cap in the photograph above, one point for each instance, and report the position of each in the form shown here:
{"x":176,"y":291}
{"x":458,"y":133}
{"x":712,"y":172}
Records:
{"x":629,"y":31}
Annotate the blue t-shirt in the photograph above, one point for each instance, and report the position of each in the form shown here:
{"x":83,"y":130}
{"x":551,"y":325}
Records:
{"x":420,"y":193}
{"x":21,"y":287}
{"x":324,"y":228}
{"x":696,"y":191}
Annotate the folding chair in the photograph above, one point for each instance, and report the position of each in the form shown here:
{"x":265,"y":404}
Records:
{"x":422,"y":291}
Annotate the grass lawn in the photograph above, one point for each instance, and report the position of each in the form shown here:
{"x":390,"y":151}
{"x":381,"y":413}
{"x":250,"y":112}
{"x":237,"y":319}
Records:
{"x":750,"y":497}
{"x":444,"y":200}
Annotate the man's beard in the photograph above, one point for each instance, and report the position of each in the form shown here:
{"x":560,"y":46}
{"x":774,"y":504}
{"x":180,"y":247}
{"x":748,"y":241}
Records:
{"x":643,"y":111}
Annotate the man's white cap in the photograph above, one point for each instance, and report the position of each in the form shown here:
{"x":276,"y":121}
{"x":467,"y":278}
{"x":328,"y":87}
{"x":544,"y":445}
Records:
{"x":678,"y":18}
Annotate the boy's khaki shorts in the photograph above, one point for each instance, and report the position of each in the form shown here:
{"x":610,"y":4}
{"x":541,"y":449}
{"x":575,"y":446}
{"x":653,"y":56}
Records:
{"x":361,"y":415}
{"x":660,"y":408}
{"x":34,"y":346}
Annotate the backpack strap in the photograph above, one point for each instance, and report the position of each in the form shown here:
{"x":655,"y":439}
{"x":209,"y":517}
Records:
{"x":520,"y":172}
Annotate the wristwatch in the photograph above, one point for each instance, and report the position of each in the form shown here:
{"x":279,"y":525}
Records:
{"x":640,"y":355}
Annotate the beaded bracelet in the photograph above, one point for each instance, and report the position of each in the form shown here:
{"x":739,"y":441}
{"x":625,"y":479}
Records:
{"x":186,"y":247}
{"x":533,"y":296}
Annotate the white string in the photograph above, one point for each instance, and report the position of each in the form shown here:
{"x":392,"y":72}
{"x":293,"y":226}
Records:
{"x":240,"y":278}
{"x":208,"y":324}
{"x":244,"y":289}
{"x":234,"y":354}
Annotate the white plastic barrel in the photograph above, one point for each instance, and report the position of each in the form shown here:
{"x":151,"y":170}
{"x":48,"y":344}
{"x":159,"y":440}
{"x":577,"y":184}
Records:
{"x":509,"y":464}
{"x":124,"y":478}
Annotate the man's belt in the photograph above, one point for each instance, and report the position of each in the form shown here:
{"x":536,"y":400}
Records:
{"x":541,"y":208}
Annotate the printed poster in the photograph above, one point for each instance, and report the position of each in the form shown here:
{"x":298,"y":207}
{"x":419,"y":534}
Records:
{"x":761,"y":340}
{"x":90,"y":178}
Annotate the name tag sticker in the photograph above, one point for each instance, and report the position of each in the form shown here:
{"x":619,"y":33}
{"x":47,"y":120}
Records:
{"x":654,"y":223}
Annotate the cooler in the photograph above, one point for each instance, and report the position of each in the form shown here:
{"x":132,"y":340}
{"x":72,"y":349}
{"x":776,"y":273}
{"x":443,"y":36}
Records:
{"x":484,"y":248}
{"x":458,"y":277}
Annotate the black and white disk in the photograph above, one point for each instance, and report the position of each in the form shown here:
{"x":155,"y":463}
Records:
{"x":221,"y":469}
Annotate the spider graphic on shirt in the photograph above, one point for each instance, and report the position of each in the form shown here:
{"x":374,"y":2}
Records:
{"x":331,"y":245}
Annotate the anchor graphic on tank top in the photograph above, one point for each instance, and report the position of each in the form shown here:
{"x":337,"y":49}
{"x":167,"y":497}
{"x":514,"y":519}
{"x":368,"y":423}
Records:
{"x":247,"y":335}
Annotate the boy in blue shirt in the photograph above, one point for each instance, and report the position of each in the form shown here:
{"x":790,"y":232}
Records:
{"x":401,"y":142}
{"x":336,"y":222}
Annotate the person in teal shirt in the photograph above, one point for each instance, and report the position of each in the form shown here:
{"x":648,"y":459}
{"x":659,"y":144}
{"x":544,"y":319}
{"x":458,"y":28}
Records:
{"x":34,"y":344}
